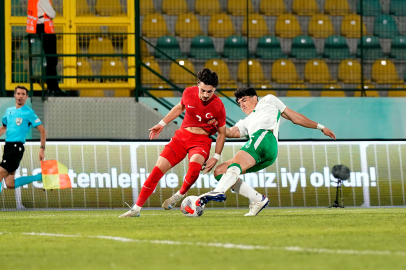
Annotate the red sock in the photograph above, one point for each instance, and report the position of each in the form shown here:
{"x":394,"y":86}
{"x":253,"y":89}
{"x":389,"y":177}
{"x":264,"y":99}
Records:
{"x":149,"y":186}
{"x":191,"y":177}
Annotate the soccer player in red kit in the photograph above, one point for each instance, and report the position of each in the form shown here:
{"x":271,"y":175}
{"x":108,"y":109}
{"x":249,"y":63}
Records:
{"x":201,"y":105}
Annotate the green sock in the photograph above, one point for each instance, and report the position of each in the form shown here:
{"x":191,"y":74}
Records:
{"x":218,"y":177}
{"x":24,"y":180}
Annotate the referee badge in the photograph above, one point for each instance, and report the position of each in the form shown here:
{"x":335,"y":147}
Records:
{"x":19,"y":121}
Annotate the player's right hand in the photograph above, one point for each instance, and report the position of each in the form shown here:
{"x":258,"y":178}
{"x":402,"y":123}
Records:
{"x":154,"y":131}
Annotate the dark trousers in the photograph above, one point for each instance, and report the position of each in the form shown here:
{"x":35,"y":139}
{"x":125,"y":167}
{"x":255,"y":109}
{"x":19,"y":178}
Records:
{"x":49,"y":46}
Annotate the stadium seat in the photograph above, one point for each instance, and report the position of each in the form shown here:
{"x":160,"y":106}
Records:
{"x":316,"y":71}
{"x":174,"y":7}
{"x":91,"y":93}
{"x":262,"y":93}
{"x":84,"y":69}
{"x":337,"y":7}
{"x":118,"y":32}
{"x":239,"y":7}
{"x":268,"y":47}
{"x":147,"y":77}
{"x":17,"y":8}
{"x":202,"y":47}
{"x":336,"y":48}
{"x":320,"y":26}
{"x":398,"y":48}
{"x":369,"y":93}
{"x":384,"y":71}
{"x":287,"y":26}
{"x":349,"y":71}
{"x":87,"y":32}
{"x":305,"y":7}
{"x":256,"y":25}
{"x":350,"y":26}
{"x":168,"y":45}
{"x":397,"y":93}
{"x":235,"y":47}
{"x":372,"y":48}
{"x":221,"y":68}
{"x":207,"y":7}
{"x":113,"y":67}
{"x":272,"y":7}
{"x":179,"y":75}
{"x":122,"y":93}
{"x":369,"y":8}
{"x":187,"y":26}
{"x":82,"y":8}
{"x":20,"y":74}
{"x":146,"y":7}
{"x":220,"y":25}
{"x":144,"y":49}
{"x":36,"y":47}
{"x":224,"y":90}
{"x":161,"y":93}
{"x":332,"y":92}
{"x":303,"y":48}
{"x":101,"y":45}
{"x":385,"y":27}
{"x":154,"y":26}
{"x":397,"y":7}
{"x":298,"y":93}
{"x":256,"y":73}
{"x":284,"y":71}
{"x":109,"y":8}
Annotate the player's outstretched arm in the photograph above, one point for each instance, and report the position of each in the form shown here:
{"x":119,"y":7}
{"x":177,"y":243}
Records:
{"x":300,"y":119}
{"x":172,"y":114}
{"x":43,"y":140}
{"x":221,"y":138}
{"x":3,"y":130}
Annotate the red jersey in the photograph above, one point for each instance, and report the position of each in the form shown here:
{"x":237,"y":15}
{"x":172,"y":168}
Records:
{"x":199,"y":112}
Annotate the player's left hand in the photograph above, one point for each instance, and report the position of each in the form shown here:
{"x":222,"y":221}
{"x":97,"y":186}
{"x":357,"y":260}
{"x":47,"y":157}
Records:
{"x":41,"y":154}
{"x":154,"y":131}
{"x":209,"y":165}
{"x":329,"y":133}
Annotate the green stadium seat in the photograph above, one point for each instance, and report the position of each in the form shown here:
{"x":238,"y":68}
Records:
{"x":398,"y":47}
{"x":397,"y":7}
{"x":235,"y":47}
{"x":202,"y":47}
{"x":303,"y":48}
{"x":369,"y":8}
{"x":372,"y":48}
{"x":336,"y":48}
{"x":36,"y":47}
{"x":170,"y":46}
{"x":269,"y":47}
{"x":385,"y":27}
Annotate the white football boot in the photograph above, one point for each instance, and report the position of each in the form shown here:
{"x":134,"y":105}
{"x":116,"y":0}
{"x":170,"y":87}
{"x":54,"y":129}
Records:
{"x":131,"y":213}
{"x":256,"y":207}
{"x":172,"y":201}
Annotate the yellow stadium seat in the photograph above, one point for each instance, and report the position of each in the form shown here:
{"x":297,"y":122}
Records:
{"x":228,"y":93}
{"x":257,"y":26}
{"x":84,"y":69}
{"x":298,"y":93}
{"x":88,"y":29}
{"x":349,"y":71}
{"x":287,"y":26}
{"x":298,"y":86}
{"x":332,"y":93}
{"x":207,"y":7}
{"x":122,"y":93}
{"x":179,"y":75}
{"x":113,"y":67}
{"x":82,"y":8}
{"x":316,"y":71}
{"x":305,"y":7}
{"x":146,"y":7}
{"x":187,"y":25}
{"x":256,"y":73}
{"x":109,"y":8}
{"x":144,"y":49}
{"x":398,"y":86}
{"x":284,"y":71}
{"x":272,"y":7}
{"x":161,"y":93}
{"x":221,"y":68}
{"x":220,"y":25}
{"x":174,"y":7}
{"x":154,"y":26}
{"x":337,"y":7}
{"x":384,"y":71}
{"x":147,"y":77}
{"x":101,"y":45}
{"x":91,"y":93}
{"x":369,"y":93}
{"x":59,"y":46}
{"x":239,"y":7}
{"x":320,"y":26}
{"x":262,"y":93}
{"x":399,"y":93}
{"x":350,"y":26}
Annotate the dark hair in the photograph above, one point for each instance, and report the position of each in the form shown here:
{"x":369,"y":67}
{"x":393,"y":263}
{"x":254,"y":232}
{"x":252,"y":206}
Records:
{"x":20,"y":87}
{"x":208,"y":77}
{"x":244,"y":92}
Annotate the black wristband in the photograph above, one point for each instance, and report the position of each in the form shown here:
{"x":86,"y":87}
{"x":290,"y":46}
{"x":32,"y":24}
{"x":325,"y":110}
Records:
{"x":42,"y":146}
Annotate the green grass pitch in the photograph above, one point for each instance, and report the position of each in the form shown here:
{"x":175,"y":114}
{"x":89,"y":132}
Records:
{"x":315,"y":238}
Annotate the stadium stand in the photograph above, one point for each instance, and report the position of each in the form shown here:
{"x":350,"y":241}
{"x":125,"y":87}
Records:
{"x":284,"y":71}
{"x":148,"y":77}
{"x":154,"y":26}
{"x":146,"y":7}
{"x":221,"y":69}
{"x":385,"y":26}
{"x":239,"y":7}
{"x":336,"y":48}
{"x":202,"y":47}
{"x":220,"y":25}
{"x":269,"y":47}
{"x":349,"y":71}
{"x":174,"y":7}
{"x":397,"y":7}
{"x":337,"y":7}
{"x":384,"y":71}
{"x":109,"y":8}
{"x":371,"y":48}
{"x":235,"y":47}
{"x":100,"y":45}
{"x":320,"y":26}
{"x":350,"y":26}
{"x":272,"y":7}
{"x":369,"y":7}
{"x":316,"y":71}
{"x":332,"y":92}
{"x":256,"y":25}
{"x":168,"y":45}
{"x":179,"y":75}
{"x":398,"y":46}
{"x":187,"y":25}
{"x":254,"y":69}
{"x":305,"y":7}
{"x":287,"y":26}
{"x":303,"y":48}
{"x":207,"y":7}
{"x":113,"y":67}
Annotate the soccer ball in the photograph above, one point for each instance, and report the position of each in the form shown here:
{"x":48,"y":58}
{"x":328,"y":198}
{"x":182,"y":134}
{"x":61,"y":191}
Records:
{"x":189,"y":207}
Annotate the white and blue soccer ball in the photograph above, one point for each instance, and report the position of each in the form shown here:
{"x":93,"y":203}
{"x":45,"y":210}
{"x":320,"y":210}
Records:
{"x":189,"y":207}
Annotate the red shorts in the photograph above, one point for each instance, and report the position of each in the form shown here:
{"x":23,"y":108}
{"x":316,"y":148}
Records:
{"x":184,"y":142}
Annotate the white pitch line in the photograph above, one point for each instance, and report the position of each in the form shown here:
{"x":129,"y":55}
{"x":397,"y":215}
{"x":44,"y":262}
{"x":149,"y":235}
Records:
{"x":229,"y":245}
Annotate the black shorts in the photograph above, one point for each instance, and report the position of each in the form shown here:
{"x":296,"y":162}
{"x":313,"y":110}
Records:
{"x":12,"y":155}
